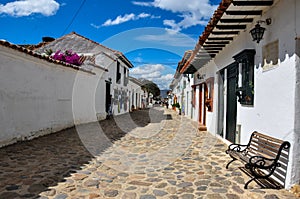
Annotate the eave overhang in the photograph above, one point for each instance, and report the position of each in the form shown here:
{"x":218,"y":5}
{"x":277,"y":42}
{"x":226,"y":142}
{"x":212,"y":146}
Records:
{"x":230,"y":18}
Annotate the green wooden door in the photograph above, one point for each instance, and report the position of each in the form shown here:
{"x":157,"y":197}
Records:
{"x":221,"y":103}
{"x":231,"y":102}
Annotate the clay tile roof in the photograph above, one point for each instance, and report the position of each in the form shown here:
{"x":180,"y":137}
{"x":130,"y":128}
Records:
{"x":80,"y":44}
{"x":38,"y":55}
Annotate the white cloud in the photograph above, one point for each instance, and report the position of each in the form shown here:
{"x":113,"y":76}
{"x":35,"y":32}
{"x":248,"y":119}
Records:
{"x":148,"y":68}
{"x":155,"y":73}
{"x":142,"y":3}
{"x":127,"y":17}
{"x":192,"y":12}
{"x":168,"y":38}
{"x":175,"y":27}
{"x":138,"y":60}
{"x":29,"y":7}
{"x":95,"y":26}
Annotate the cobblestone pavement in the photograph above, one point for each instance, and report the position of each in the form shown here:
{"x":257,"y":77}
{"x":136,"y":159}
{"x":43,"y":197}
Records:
{"x":146,"y":154}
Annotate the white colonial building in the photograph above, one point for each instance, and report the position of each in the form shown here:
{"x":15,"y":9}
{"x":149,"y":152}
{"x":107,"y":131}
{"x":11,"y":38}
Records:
{"x":243,"y":83}
{"x":138,"y":96}
{"x":40,"y":95}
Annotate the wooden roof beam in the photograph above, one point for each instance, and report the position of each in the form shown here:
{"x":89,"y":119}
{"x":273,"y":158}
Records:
{"x":220,"y":38}
{"x":253,"y":3}
{"x":244,"y":20}
{"x":218,"y":45}
{"x":230,"y":27}
{"x":217,"y":42}
{"x":225,"y":32}
{"x":212,"y":48}
{"x":244,"y":12}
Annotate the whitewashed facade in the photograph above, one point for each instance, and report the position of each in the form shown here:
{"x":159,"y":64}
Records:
{"x":40,"y":95}
{"x":138,"y":97}
{"x":272,"y":107}
{"x":37,"y":96}
{"x":111,"y":66}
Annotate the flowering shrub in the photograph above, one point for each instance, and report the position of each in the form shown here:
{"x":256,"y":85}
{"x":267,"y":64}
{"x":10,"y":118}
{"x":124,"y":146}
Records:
{"x":68,"y":57}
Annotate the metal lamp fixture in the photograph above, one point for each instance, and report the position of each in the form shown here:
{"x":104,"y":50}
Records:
{"x":257,"y":32}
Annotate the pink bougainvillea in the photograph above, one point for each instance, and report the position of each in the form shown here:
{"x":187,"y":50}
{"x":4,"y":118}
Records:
{"x":68,"y":57}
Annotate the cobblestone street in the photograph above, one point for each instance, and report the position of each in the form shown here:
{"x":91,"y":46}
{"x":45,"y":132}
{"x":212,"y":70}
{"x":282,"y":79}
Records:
{"x":147,"y":154}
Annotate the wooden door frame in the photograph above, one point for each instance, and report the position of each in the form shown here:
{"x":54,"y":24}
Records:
{"x":202,"y":108}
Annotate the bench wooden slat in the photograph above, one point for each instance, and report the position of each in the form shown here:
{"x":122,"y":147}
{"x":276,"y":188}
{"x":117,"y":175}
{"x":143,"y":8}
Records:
{"x":270,"y":151}
{"x":261,"y":141}
{"x":280,"y":171}
{"x":267,"y":137}
{"x":279,"y":177}
{"x":257,"y":146}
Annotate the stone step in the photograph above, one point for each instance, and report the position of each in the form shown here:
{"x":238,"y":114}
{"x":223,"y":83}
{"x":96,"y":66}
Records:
{"x":202,"y":127}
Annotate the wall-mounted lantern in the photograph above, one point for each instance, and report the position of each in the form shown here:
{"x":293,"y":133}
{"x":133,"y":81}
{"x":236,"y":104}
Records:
{"x":257,"y":32}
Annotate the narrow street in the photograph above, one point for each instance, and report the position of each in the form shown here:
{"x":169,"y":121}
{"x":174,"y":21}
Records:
{"x":147,"y":154}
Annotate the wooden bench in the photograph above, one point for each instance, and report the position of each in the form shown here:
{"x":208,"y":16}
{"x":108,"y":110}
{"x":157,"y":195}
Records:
{"x":266,"y":159}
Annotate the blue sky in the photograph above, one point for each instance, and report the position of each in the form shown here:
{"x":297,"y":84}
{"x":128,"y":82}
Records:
{"x":153,"y":34}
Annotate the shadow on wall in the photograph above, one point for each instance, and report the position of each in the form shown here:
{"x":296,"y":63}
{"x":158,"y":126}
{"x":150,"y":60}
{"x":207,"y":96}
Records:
{"x":29,"y":168}
{"x":272,"y":53}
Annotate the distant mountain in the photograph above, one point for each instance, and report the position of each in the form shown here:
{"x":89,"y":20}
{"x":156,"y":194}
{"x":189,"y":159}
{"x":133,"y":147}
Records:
{"x":145,"y":81}
{"x":164,"y":93}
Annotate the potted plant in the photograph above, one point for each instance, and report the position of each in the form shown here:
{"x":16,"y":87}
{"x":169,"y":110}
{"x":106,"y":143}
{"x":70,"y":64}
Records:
{"x":174,"y":107}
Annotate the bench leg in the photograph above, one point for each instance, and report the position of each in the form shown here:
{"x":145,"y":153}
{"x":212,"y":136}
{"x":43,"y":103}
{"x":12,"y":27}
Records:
{"x":230,"y":162}
{"x":247,"y":183}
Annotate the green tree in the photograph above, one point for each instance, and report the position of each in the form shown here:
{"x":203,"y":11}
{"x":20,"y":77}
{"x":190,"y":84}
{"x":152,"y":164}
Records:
{"x":151,"y":87}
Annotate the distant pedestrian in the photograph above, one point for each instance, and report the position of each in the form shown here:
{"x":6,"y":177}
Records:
{"x":167,"y":105}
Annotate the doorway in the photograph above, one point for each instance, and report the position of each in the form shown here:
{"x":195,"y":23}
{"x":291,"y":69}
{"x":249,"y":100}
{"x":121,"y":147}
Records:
{"x":202,"y":108}
{"x":220,"y":129}
{"x":231,"y":106}
{"x":108,"y":97}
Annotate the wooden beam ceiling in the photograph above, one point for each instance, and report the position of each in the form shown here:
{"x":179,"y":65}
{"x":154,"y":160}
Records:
{"x":231,"y":17}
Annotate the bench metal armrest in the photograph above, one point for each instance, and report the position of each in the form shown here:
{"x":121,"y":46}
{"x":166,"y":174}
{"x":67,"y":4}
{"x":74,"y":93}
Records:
{"x":262,"y":163}
{"x":236,"y":147}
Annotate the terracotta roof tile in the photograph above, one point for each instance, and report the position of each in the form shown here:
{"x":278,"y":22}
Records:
{"x":39,"y":56}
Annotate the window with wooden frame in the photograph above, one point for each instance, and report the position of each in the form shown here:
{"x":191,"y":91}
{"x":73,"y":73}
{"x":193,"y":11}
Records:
{"x":245,"y":79}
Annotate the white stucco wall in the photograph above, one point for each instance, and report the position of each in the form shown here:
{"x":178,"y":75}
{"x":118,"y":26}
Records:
{"x":99,"y":98}
{"x":188,"y":97}
{"x":136,"y":90}
{"x":120,"y":103}
{"x":37,"y":97}
{"x":296,"y":163}
{"x":275,"y":109}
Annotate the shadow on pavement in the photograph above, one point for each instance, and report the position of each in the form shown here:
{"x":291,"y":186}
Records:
{"x":31,"y":167}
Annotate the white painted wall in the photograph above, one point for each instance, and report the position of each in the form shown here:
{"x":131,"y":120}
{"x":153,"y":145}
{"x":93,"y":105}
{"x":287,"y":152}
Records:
{"x":135,"y":90}
{"x":276,"y":96}
{"x":120,"y":102}
{"x":37,"y":96}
